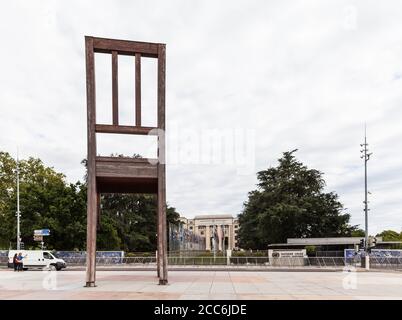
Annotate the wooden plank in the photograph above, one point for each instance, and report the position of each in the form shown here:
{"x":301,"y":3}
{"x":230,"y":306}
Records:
{"x":115,"y":88}
{"x":125,"y":47}
{"x":162,"y":223}
{"x":126,"y":170}
{"x":161,"y":86}
{"x":107,"y":128}
{"x":138,"y":89}
{"x":127,"y":185}
{"x":91,"y":167}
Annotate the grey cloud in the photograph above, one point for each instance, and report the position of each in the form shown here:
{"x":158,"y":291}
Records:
{"x":304,"y":76}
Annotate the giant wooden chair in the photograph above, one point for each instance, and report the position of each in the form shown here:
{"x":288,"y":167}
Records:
{"x":123,"y":174}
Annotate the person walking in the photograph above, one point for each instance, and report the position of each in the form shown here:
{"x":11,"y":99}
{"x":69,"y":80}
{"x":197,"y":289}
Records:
{"x":15,"y":262}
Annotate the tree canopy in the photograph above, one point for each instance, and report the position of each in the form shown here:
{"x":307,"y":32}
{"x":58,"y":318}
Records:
{"x":128,"y":222}
{"x":390,"y":235}
{"x":290,"y":202}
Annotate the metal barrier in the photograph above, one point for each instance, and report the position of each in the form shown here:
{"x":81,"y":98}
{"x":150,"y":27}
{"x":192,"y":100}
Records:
{"x":286,"y":262}
{"x":316,"y":262}
{"x":385,"y":262}
{"x":105,"y":261}
{"x":320,"y":262}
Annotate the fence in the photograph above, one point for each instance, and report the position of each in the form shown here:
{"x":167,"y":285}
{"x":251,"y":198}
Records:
{"x":394,"y":263}
{"x":320,"y":262}
{"x":332,"y":253}
{"x":386,"y":262}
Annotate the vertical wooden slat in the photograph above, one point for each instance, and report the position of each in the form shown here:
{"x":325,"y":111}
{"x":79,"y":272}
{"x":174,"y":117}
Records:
{"x":91,"y":193}
{"x":115,"y":88}
{"x":138,"y":89}
{"x":162,"y":223}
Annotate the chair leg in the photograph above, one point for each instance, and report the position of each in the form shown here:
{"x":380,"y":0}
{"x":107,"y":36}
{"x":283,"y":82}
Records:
{"x":92,"y":216}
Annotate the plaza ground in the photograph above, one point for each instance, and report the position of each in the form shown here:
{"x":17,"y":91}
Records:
{"x":202,"y":285}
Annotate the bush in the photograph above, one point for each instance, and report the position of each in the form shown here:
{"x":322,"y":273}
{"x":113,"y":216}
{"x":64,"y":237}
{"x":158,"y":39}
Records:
{"x":139,"y":254}
{"x":249,"y":253}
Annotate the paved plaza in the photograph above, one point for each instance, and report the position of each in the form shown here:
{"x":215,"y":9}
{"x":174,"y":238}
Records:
{"x":202,"y":285}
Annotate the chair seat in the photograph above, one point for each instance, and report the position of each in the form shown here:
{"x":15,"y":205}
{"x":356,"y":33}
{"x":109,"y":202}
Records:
{"x":126,"y":175}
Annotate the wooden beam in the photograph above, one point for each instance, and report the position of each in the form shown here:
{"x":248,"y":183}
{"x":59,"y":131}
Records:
{"x":107,"y":128}
{"x":161,"y":86}
{"x":91,"y":165}
{"x":127,"y":185}
{"x":138,"y":89}
{"x":126,"y":169}
{"x":162,"y":223}
{"x":125,"y":47}
{"x":115,"y":88}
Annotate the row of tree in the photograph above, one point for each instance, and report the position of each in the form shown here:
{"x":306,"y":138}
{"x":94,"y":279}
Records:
{"x":289,"y":202}
{"x":128,"y":222}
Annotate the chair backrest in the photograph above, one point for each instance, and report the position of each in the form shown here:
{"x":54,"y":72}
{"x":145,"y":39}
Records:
{"x":136,"y":50}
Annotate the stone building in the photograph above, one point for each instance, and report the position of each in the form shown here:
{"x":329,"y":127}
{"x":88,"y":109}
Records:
{"x":219,"y":231}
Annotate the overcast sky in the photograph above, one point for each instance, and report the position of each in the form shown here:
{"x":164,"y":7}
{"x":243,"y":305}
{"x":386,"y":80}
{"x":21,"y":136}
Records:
{"x":283,"y":74}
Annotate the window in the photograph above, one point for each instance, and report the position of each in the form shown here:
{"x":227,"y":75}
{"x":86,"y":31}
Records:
{"x":47,"y":255}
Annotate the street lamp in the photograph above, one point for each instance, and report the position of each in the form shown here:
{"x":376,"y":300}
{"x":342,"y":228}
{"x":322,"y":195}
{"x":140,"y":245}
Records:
{"x":366,"y":156}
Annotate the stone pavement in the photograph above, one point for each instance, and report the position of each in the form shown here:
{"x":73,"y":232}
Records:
{"x":202,"y":285}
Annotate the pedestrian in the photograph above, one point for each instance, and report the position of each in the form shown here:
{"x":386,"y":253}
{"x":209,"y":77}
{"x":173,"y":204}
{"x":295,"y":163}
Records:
{"x":20,"y":262}
{"x":15,"y":262}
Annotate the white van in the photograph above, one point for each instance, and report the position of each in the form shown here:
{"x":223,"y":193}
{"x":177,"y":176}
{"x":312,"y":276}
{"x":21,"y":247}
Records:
{"x":37,"y":259}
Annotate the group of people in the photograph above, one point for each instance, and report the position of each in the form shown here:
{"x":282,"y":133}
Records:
{"x":17,"y":261}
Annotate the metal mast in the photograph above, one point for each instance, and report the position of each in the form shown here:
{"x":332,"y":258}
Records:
{"x":366,"y":156}
{"x":18,"y":206}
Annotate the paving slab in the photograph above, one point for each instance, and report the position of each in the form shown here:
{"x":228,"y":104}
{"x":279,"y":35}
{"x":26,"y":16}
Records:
{"x":195,"y":285}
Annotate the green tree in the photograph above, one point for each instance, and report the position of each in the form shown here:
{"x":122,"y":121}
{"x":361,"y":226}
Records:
{"x":290,"y":203}
{"x":133,"y":218}
{"x":128,"y":222}
{"x":390,"y":235}
{"x":46,"y":201}
{"x":358,"y":233}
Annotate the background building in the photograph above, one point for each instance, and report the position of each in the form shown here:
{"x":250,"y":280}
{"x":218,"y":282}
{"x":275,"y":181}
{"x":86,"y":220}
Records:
{"x":220,"y":232}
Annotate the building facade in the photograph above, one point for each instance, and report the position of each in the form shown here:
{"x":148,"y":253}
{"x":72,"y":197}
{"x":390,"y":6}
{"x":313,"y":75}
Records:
{"x":220,"y":232}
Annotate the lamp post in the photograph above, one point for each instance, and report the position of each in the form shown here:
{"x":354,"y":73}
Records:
{"x":366,"y":156}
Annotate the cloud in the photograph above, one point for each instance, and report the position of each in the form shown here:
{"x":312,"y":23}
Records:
{"x":303,"y":76}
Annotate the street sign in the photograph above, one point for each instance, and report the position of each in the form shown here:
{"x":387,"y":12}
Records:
{"x":42,"y":232}
{"x":38,"y":238}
